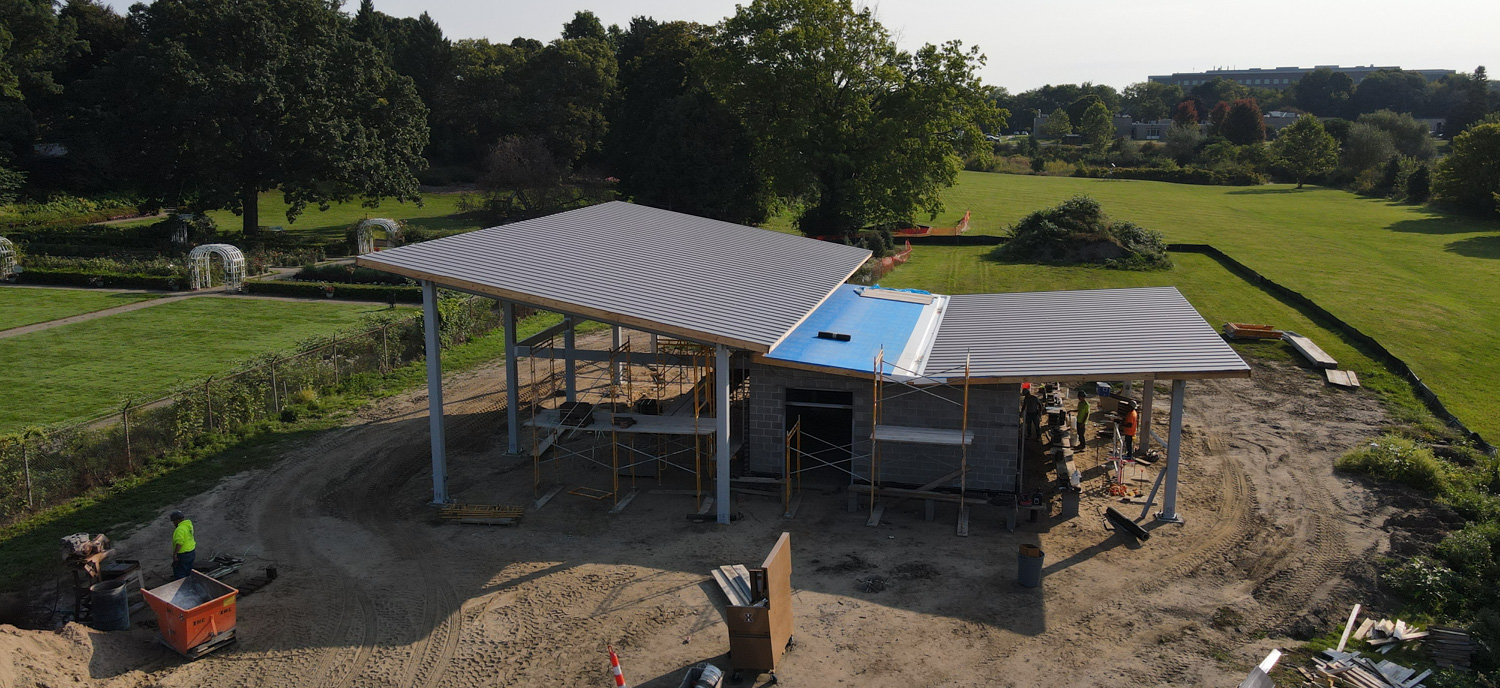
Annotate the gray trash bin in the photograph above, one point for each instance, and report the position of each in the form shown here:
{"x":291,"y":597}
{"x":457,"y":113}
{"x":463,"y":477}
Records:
{"x":1029,"y":561}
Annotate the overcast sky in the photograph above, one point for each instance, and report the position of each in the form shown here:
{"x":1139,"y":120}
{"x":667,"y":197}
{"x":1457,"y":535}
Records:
{"x":1038,"y":42}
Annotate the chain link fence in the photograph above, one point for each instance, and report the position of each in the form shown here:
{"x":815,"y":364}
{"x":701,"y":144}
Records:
{"x":40,"y":468}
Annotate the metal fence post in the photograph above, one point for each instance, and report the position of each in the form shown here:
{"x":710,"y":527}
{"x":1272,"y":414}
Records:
{"x":335,"y":361}
{"x":385,"y":354}
{"x":125,"y":421}
{"x":26,"y":466}
{"x":275,"y":393}
{"x":208,"y":401}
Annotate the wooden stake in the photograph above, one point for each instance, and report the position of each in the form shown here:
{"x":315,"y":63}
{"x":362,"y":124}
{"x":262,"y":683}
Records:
{"x":1353,"y":615}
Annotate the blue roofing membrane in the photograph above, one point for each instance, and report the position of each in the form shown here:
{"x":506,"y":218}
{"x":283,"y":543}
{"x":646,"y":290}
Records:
{"x":871,"y":324}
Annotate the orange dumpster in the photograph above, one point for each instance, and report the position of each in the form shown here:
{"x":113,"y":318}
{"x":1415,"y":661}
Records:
{"x":194,"y":615}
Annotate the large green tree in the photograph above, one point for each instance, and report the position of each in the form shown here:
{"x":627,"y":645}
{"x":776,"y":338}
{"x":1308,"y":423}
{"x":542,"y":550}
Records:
{"x":223,"y":99}
{"x":670,"y":142}
{"x":1324,"y":92}
{"x":1057,"y":125}
{"x":1391,"y":89}
{"x":1305,"y":149}
{"x":1150,"y":101}
{"x":1097,"y":126}
{"x":1411,"y":138}
{"x":858,"y":130}
{"x":1470,"y":176}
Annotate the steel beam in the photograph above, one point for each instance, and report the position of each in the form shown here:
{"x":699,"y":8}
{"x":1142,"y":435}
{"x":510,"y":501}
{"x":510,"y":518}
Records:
{"x":435,"y":393}
{"x":512,"y":381}
{"x":603,"y":356}
{"x":1174,"y":445}
{"x":721,"y":416}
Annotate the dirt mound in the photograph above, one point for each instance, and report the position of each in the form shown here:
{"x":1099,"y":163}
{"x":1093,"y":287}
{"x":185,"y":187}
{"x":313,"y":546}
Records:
{"x":41,"y":658}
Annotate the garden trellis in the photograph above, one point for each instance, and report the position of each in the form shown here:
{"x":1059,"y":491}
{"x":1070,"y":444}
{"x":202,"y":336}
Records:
{"x":199,"y":261}
{"x":365,"y":234}
{"x":7,"y":257}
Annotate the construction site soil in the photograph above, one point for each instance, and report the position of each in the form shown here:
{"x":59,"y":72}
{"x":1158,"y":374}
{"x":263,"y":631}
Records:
{"x":376,"y":590}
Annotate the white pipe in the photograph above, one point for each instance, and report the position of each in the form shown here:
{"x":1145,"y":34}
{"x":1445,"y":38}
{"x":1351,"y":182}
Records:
{"x":721,"y":417}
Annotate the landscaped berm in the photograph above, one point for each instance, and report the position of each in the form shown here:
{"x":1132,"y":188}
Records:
{"x":952,"y":520}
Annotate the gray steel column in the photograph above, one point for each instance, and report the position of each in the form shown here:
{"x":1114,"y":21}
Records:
{"x":435,"y":393}
{"x":570,"y":377}
{"x":512,"y":381}
{"x":721,"y":421}
{"x":1174,"y":444}
{"x":614,"y":343}
{"x":1143,"y":422}
{"x":653,"y":343}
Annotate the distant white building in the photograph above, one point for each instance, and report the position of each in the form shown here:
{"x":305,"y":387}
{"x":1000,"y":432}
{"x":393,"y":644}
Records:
{"x":1279,"y":77}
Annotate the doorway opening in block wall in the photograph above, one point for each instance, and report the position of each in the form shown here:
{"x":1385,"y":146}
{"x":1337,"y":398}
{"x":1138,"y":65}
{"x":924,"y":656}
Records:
{"x":827,"y":419}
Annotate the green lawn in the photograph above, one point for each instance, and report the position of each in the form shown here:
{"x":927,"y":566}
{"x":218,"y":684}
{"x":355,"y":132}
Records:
{"x":1419,"y":281}
{"x":1217,"y":293}
{"x":436,"y":213}
{"x":20,"y":306}
{"x":83,"y":370}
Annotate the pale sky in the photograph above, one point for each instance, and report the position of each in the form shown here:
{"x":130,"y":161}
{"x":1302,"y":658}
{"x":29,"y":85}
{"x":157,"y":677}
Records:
{"x":1069,"y":41}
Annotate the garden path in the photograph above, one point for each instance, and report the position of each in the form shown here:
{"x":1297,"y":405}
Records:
{"x":215,"y":291}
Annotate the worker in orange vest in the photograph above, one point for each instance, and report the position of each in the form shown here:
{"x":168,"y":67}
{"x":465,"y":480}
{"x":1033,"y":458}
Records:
{"x":1127,"y":429}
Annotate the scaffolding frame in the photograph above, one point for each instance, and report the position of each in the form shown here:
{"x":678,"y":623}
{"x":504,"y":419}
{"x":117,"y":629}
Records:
{"x":909,"y":382}
{"x":681,"y":366}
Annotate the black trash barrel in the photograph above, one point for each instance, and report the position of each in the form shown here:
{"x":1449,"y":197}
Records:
{"x":111,"y":604}
{"x":1030,"y":562}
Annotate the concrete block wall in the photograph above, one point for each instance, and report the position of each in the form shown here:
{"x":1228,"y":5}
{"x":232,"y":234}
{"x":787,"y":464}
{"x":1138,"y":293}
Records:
{"x":993,"y":418}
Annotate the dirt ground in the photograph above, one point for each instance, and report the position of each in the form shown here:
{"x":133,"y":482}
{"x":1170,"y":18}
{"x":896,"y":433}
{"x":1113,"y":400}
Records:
{"x":375,"y":591}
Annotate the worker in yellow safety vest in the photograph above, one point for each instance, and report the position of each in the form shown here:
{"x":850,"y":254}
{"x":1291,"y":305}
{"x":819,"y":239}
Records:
{"x":1083,"y":418}
{"x":184,"y":547}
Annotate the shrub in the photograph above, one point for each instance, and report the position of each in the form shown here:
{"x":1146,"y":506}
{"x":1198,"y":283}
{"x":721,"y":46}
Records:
{"x":348,"y":274}
{"x":1471,"y":550}
{"x":1078,"y":231}
{"x":1399,"y":460}
{"x":1176,"y":175}
{"x":1422,"y":581}
{"x":347,"y":292}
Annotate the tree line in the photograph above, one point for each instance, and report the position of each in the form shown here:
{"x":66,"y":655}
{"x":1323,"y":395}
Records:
{"x":805,"y":104}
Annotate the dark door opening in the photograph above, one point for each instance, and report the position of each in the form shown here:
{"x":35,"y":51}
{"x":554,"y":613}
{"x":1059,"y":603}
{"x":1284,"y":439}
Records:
{"x":827,"y":438}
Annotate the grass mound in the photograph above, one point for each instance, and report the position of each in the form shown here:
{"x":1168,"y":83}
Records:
{"x":1077,"y":231}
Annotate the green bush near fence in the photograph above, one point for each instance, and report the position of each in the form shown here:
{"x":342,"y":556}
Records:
{"x":346,"y":292}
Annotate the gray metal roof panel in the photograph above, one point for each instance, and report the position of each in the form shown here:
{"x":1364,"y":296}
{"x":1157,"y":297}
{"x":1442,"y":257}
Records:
{"x":691,"y":275}
{"x":1104,"y":332}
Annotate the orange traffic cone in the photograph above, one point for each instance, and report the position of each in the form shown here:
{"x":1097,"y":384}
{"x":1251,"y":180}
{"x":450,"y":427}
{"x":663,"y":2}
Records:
{"x":614,"y":668}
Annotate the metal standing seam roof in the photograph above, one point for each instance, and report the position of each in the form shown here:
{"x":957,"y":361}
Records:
{"x":642,"y":267}
{"x":1091,"y":335}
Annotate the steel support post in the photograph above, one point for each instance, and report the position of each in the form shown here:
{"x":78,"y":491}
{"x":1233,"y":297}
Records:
{"x":614,"y":344}
{"x":570,"y":376}
{"x":512,"y":381}
{"x":435,"y":393}
{"x":1143,"y":424}
{"x":721,"y":422}
{"x":1174,"y":446}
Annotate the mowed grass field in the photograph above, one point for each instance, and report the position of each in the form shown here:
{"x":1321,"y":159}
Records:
{"x":1421,"y":282}
{"x":21,"y":306}
{"x":1218,"y":294}
{"x":439,"y":211}
{"x":80,"y":371}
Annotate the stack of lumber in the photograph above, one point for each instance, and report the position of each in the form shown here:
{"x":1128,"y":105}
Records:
{"x":1386,"y":634}
{"x":1351,"y":669}
{"x":735,"y":582}
{"x":483,"y":514}
{"x":1248,"y":331}
{"x":1450,"y":647}
{"x":1312,"y":352}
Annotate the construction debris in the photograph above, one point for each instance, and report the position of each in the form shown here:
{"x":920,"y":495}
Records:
{"x":1362,"y":672}
{"x":483,"y":514}
{"x":1248,"y":331}
{"x":1312,"y":352}
{"x":1449,"y":647}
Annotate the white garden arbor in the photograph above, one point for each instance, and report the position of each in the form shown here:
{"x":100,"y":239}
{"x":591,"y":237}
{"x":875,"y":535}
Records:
{"x":7,"y":257}
{"x":200,"y":261}
{"x":365,"y":234}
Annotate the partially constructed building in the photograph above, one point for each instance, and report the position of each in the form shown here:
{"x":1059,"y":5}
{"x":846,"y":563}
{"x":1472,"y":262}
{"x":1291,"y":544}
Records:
{"x":865,"y":386}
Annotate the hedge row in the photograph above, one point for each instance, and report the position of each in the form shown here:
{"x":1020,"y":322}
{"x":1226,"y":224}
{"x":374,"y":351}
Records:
{"x":347,"y":292}
{"x":1180,"y":175}
{"x":94,"y":278}
{"x":347,"y":274}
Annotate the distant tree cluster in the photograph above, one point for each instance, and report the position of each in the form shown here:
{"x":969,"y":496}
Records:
{"x":207,"y":103}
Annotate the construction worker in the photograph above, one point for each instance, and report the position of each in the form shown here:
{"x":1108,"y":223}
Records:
{"x":184,"y":547}
{"x":1031,"y":410}
{"x":1127,"y":428}
{"x":1083,"y":417}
